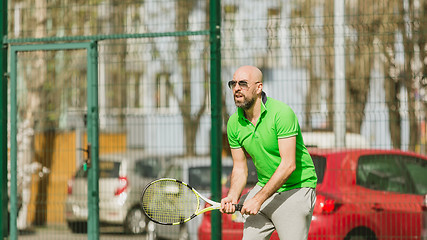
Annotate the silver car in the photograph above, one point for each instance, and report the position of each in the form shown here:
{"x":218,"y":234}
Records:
{"x":122,"y":177}
{"x":196,"y":171}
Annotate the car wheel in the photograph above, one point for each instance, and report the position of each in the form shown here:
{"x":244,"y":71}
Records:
{"x":78,"y":227}
{"x":135,"y":222}
{"x":359,"y":237}
{"x":365,"y":235}
{"x":183,"y":232}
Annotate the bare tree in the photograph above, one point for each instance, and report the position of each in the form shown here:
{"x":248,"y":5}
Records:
{"x":407,"y":23}
{"x":408,"y":30}
{"x":422,"y":43}
{"x":305,"y":52}
{"x":359,"y":60}
{"x":191,"y":120}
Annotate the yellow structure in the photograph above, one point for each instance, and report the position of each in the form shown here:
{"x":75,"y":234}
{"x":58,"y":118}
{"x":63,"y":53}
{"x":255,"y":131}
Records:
{"x":48,"y":194}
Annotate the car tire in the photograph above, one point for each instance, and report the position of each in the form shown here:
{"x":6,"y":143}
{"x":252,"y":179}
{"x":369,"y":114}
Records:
{"x":78,"y":227}
{"x":135,"y":222}
{"x":364,"y":234}
{"x":183,"y":233}
{"x":359,"y":237}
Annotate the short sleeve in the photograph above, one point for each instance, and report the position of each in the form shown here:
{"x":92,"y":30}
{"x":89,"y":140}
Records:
{"x":286,"y":123}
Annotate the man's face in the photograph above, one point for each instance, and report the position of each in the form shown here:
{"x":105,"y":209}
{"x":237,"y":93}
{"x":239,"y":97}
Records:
{"x":244,"y":90}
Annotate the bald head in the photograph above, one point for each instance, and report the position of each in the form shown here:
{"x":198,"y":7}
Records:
{"x":250,"y":73}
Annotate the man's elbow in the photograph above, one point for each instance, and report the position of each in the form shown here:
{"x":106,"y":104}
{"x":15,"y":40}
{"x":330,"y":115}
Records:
{"x":288,"y":166}
{"x":292,"y":168}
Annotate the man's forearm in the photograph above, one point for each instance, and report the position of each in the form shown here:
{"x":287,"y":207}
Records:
{"x":237,"y":183}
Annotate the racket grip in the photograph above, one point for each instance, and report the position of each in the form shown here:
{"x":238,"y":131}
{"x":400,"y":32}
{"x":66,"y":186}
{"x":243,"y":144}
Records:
{"x":238,"y":207}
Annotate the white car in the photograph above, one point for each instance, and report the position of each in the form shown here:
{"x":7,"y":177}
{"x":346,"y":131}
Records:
{"x":122,"y":177}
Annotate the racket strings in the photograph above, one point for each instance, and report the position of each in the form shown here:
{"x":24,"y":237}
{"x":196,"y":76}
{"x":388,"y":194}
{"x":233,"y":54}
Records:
{"x":169,"y":202}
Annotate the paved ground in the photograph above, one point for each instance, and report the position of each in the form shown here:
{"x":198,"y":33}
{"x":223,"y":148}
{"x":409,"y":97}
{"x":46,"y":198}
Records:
{"x":63,"y":233}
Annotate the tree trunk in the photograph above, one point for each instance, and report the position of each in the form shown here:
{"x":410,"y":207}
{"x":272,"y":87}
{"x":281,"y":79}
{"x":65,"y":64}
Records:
{"x":408,"y":74}
{"x":191,"y":123}
{"x":358,"y":72}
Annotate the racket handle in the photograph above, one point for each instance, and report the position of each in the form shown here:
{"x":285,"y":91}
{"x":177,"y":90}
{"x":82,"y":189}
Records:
{"x":238,"y":207}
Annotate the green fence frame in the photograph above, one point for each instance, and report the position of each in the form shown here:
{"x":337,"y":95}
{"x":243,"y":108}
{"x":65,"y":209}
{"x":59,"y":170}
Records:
{"x":93,"y":225}
{"x":3,"y":121}
{"x":92,"y":128}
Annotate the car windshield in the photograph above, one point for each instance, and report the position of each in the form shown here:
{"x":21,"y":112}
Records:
{"x":200,"y":177}
{"x":417,"y":169}
{"x":148,"y":167}
{"x":320,"y":166}
{"x":107,"y":169}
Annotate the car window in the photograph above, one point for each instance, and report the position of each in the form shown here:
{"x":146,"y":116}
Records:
{"x":148,"y":167}
{"x":417,"y":169}
{"x":319,"y":166}
{"x":173,"y":171}
{"x":383,"y":173}
{"x":252,"y":176}
{"x":200,"y":177}
{"x":109,"y":169}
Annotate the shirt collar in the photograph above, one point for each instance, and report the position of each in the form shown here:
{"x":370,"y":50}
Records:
{"x":264,"y":98}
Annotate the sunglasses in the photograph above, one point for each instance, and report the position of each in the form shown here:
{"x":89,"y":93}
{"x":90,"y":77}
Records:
{"x":243,"y":84}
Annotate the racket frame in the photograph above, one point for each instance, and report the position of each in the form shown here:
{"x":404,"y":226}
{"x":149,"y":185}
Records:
{"x":214,"y":205}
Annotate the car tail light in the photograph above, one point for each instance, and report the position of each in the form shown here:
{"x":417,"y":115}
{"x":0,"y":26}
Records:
{"x":325,"y":205}
{"x":70,"y":186}
{"x":123,"y":184}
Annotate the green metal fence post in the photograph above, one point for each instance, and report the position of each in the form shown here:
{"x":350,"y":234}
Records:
{"x":13,"y":148}
{"x":93,"y":139}
{"x":3,"y":120}
{"x":216,"y":119}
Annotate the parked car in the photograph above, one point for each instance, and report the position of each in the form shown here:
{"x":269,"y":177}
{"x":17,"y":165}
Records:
{"x":122,"y":177}
{"x":196,"y":171}
{"x":361,"y":194}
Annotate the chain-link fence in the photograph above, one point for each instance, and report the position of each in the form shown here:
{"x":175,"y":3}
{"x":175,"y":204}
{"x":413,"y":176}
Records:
{"x":154,"y":99}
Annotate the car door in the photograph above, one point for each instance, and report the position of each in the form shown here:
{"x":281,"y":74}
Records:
{"x":390,"y":196}
{"x":417,"y":171}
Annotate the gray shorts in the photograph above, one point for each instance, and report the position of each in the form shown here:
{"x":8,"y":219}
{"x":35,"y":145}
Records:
{"x":288,"y":212}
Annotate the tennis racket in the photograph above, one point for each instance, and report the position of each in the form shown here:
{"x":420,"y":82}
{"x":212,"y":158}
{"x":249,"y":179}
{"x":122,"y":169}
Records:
{"x":169,"y":201}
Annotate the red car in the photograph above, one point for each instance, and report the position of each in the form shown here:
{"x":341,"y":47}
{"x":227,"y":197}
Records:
{"x":361,"y":194}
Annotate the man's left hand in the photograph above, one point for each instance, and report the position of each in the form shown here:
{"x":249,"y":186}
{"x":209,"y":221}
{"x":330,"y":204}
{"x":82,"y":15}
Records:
{"x":251,"y":207}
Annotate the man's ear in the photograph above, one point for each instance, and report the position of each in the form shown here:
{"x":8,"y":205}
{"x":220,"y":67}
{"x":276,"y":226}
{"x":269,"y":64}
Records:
{"x":259,"y":88}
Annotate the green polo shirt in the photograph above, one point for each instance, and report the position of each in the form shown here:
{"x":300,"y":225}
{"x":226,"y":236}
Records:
{"x":277,"y":121}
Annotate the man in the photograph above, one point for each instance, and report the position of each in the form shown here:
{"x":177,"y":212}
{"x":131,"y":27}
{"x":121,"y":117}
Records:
{"x":284,"y":197}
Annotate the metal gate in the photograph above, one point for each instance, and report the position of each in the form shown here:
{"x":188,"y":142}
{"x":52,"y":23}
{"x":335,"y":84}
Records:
{"x":91,"y":162}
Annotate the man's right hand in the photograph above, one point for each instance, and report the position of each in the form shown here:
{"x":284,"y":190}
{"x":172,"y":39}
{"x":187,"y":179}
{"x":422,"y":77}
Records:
{"x":227,"y":205}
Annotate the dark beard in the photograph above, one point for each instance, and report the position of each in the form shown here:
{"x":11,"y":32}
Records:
{"x":246,"y":104}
